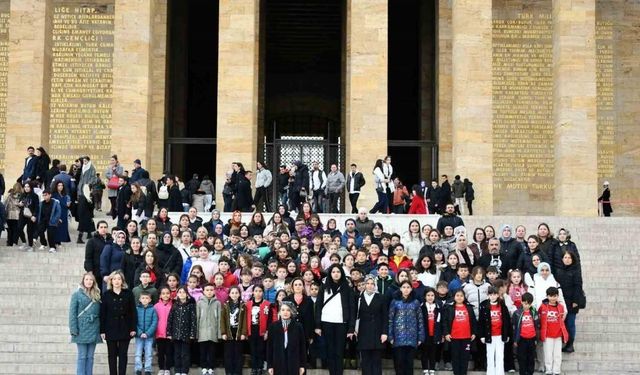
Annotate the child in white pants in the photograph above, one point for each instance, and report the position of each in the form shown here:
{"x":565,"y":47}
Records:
{"x":552,"y":331}
{"x":495,"y":329}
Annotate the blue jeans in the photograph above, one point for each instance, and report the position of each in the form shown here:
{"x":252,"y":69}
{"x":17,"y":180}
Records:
{"x":570,"y":322}
{"x":382,"y":205}
{"x":85,"y":359}
{"x":144,"y":346}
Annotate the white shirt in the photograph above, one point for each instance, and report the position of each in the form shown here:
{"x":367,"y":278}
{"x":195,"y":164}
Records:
{"x":315,"y":179}
{"x":332,"y":311}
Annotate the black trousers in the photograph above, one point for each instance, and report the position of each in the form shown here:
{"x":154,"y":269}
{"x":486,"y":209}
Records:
{"x":12,"y":232}
{"x":233,"y":357}
{"x":353,"y":198}
{"x":50,"y":238}
{"x":371,"y":362}
{"x":258,"y":348}
{"x":527,"y":356}
{"x":182,"y":356}
{"x":333,"y":202}
{"x":509,"y":363}
{"x":117,"y":353}
{"x":31,"y":229}
{"x":460,"y":351}
{"x":403,"y":359}
{"x":480,"y":356}
{"x":261,"y":198}
{"x":165,"y":354}
{"x":207,"y":352}
{"x":318,"y":200}
{"x":470,"y":207}
{"x":429,"y":349}
{"x":335,"y":335}
{"x":112,"y":210}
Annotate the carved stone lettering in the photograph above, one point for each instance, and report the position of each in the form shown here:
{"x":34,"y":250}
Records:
{"x":81,"y":81}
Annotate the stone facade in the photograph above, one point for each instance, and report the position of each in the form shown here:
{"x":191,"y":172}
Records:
{"x":585,"y":57}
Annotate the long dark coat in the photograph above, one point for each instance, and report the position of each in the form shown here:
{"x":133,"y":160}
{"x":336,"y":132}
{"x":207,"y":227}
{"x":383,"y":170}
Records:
{"x":305,"y":314}
{"x":118,"y":315}
{"x":289,"y":360}
{"x":374,"y":321}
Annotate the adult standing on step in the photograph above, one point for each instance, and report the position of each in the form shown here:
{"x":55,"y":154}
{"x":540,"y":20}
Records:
{"x":114,"y":170}
{"x":604,"y":201}
{"x":84,"y":322}
{"x":94,"y":248}
{"x":117,"y":322}
{"x":387,"y":171}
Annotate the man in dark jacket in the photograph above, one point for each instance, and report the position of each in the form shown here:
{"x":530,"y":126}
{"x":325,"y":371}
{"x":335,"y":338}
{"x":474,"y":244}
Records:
{"x":93,"y":249}
{"x":355,"y":181}
{"x":150,"y":192}
{"x":136,"y":173}
{"x":300,"y":184}
{"x":29,"y":170}
{"x":445,"y":191}
{"x":469,"y":195}
{"x":175,"y":198}
{"x":123,"y":209}
{"x":449,"y":218}
{"x":494,"y":258}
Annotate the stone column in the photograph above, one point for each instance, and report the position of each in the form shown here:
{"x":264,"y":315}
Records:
{"x":472,"y":99}
{"x":365,"y":99}
{"x":131,"y":108}
{"x":238,"y":67}
{"x":26,"y":108}
{"x":575,"y":110}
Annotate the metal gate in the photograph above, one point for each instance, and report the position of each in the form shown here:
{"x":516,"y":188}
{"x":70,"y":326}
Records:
{"x":308,"y":149}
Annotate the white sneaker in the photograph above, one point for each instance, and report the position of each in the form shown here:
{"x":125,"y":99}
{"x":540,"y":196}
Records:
{"x":29,"y":249}
{"x":204,"y":371}
{"x":22,"y":247}
{"x":52,"y":250}
{"x":432,"y":372}
{"x":42,"y":248}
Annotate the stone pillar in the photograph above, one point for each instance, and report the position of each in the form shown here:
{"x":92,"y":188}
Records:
{"x":574,"y":71}
{"x":155,"y":165}
{"x":365,"y":112}
{"x":444,"y":85}
{"x":472,"y":99}
{"x":27,"y":111}
{"x":131,"y":108}
{"x":238,"y":67}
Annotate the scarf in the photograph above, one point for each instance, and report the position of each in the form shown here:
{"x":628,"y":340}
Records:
{"x":86,"y":166}
{"x":285,"y":328}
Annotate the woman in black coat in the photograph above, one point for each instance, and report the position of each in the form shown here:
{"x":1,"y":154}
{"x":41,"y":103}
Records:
{"x":169,"y":259}
{"x":569,"y":276}
{"x":286,"y":344}
{"x":117,"y":321}
{"x":372,"y":327}
{"x":335,"y":324}
{"x":244,"y":201}
{"x":304,"y":306}
{"x":132,"y":260}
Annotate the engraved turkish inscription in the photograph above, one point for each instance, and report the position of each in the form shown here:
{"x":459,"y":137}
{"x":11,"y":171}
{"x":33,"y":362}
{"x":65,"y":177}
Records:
{"x":4,"y":69}
{"x":605,"y":99}
{"x":81,"y":80}
{"x":523,"y":130}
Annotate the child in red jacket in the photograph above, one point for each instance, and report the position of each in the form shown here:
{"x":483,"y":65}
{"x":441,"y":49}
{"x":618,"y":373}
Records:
{"x":553,"y":332}
{"x":399,"y":260}
{"x":258,"y":319}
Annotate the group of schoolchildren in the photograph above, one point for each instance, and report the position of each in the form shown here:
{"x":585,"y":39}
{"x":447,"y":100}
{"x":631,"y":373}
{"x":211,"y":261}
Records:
{"x":274,"y":313}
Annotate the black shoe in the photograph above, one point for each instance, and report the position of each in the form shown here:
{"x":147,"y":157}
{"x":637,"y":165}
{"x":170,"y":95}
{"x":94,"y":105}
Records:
{"x":568,"y":348}
{"x":138,"y":372}
{"x":80,"y":241}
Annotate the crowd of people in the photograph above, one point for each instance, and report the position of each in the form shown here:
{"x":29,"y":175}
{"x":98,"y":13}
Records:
{"x":289,"y":291}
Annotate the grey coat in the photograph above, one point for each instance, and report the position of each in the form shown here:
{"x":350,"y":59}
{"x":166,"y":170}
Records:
{"x":119,"y":170}
{"x":87,"y":178}
{"x":335,"y":182}
{"x":208,"y":313}
{"x":86,"y":328}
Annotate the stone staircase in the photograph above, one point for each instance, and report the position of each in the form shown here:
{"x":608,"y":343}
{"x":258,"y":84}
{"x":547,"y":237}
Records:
{"x":36,"y":287}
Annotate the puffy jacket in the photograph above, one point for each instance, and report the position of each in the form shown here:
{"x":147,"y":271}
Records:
{"x":476,"y":294}
{"x":335,"y":182}
{"x":84,"y":329}
{"x":406,"y":323}
{"x":446,"y":219}
{"x":182,"y":322}
{"x":570,"y":280}
{"x":484,"y":321}
{"x":162,"y":311}
{"x":510,"y":250}
{"x":208,"y":312}
{"x":147,"y":320}
{"x":111,"y":259}
{"x":207,"y":187}
{"x":458,"y":189}
{"x":364,"y":227}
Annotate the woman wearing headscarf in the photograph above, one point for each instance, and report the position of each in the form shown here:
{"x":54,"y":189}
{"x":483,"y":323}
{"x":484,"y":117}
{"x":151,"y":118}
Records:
{"x":335,"y":316}
{"x":372,"y":327}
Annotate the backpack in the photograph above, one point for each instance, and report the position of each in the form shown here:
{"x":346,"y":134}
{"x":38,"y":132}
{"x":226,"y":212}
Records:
{"x":163,"y":192}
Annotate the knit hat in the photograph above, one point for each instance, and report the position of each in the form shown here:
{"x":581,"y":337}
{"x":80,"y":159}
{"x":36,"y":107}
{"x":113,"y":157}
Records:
{"x":292,"y":308}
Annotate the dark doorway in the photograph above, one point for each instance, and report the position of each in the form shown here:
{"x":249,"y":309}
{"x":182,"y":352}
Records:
{"x":302,"y":49}
{"x":411,"y":89}
{"x":192,"y":86}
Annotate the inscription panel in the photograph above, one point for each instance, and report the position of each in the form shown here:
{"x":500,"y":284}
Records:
{"x":81,"y":80}
{"x":4,"y":70}
{"x":523,"y":129}
{"x":605,"y":99}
